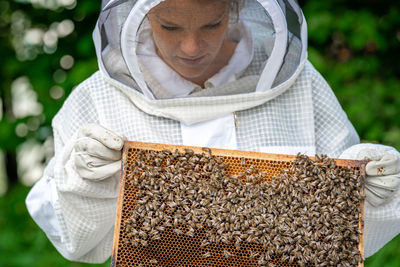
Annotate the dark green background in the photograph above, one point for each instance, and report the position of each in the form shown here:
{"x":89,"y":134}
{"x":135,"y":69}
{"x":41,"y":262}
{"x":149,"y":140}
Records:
{"x":354,"y":44}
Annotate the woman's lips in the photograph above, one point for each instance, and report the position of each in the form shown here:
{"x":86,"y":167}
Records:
{"x":191,"y":61}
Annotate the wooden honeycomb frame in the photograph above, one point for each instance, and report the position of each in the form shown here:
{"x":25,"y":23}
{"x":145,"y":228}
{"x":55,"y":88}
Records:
{"x":175,"y":250}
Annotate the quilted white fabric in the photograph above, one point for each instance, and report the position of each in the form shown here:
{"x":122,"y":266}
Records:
{"x":298,"y":113}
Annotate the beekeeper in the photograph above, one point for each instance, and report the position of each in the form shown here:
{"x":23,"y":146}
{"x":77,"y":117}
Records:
{"x":218,"y":73}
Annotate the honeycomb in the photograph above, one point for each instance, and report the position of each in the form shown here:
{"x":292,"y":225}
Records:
{"x":173,"y":249}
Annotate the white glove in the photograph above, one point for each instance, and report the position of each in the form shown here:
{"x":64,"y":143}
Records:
{"x":98,"y":152}
{"x":382,"y":173}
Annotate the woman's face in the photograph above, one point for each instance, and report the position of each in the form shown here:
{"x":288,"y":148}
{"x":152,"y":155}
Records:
{"x":188,"y":34}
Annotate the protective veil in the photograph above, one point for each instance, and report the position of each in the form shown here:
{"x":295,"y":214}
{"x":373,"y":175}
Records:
{"x":272,"y":101}
{"x":280,"y":54}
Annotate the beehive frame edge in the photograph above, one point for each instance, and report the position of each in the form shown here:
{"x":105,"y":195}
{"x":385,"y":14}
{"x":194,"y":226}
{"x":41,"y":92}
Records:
{"x":120,"y":200}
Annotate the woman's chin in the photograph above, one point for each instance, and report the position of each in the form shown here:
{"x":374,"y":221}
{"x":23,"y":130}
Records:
{"x":190,"y":74}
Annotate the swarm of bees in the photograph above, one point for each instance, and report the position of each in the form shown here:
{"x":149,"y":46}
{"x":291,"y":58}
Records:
{"x":307,"y":216}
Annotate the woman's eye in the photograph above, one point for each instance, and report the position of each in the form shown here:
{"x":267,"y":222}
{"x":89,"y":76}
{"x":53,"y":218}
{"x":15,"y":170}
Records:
{"x":213,"y":26}
{"x":169,"y":28}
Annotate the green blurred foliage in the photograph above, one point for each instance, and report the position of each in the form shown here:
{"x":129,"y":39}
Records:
{"x":22,"y":243}
{"x":355,"y":45}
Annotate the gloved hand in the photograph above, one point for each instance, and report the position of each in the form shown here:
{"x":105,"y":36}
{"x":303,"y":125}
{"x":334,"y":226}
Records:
{"x":383,"y":175}
{"x":98,"y":152}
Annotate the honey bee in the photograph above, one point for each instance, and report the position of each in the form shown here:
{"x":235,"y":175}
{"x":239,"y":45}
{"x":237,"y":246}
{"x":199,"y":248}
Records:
{"x":143,"y":243}
{"x":206,"y":255}
{"x":190,"y":233}
{"x":178,"y":231}
{"x":253,"y":254}
{"x":206,"y":149}
{"x":153,"y":261}
{"x":261,"y":261}
{"x":226,"y":253}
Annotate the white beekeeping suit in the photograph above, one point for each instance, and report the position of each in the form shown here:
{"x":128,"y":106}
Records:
{"x":268,"y":98}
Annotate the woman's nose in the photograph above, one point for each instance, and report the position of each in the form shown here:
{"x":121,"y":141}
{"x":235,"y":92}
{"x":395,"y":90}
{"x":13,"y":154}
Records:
{"x":190,"y":45}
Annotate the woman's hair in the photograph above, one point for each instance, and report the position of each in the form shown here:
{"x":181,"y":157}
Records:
{"x":236,"y":6}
